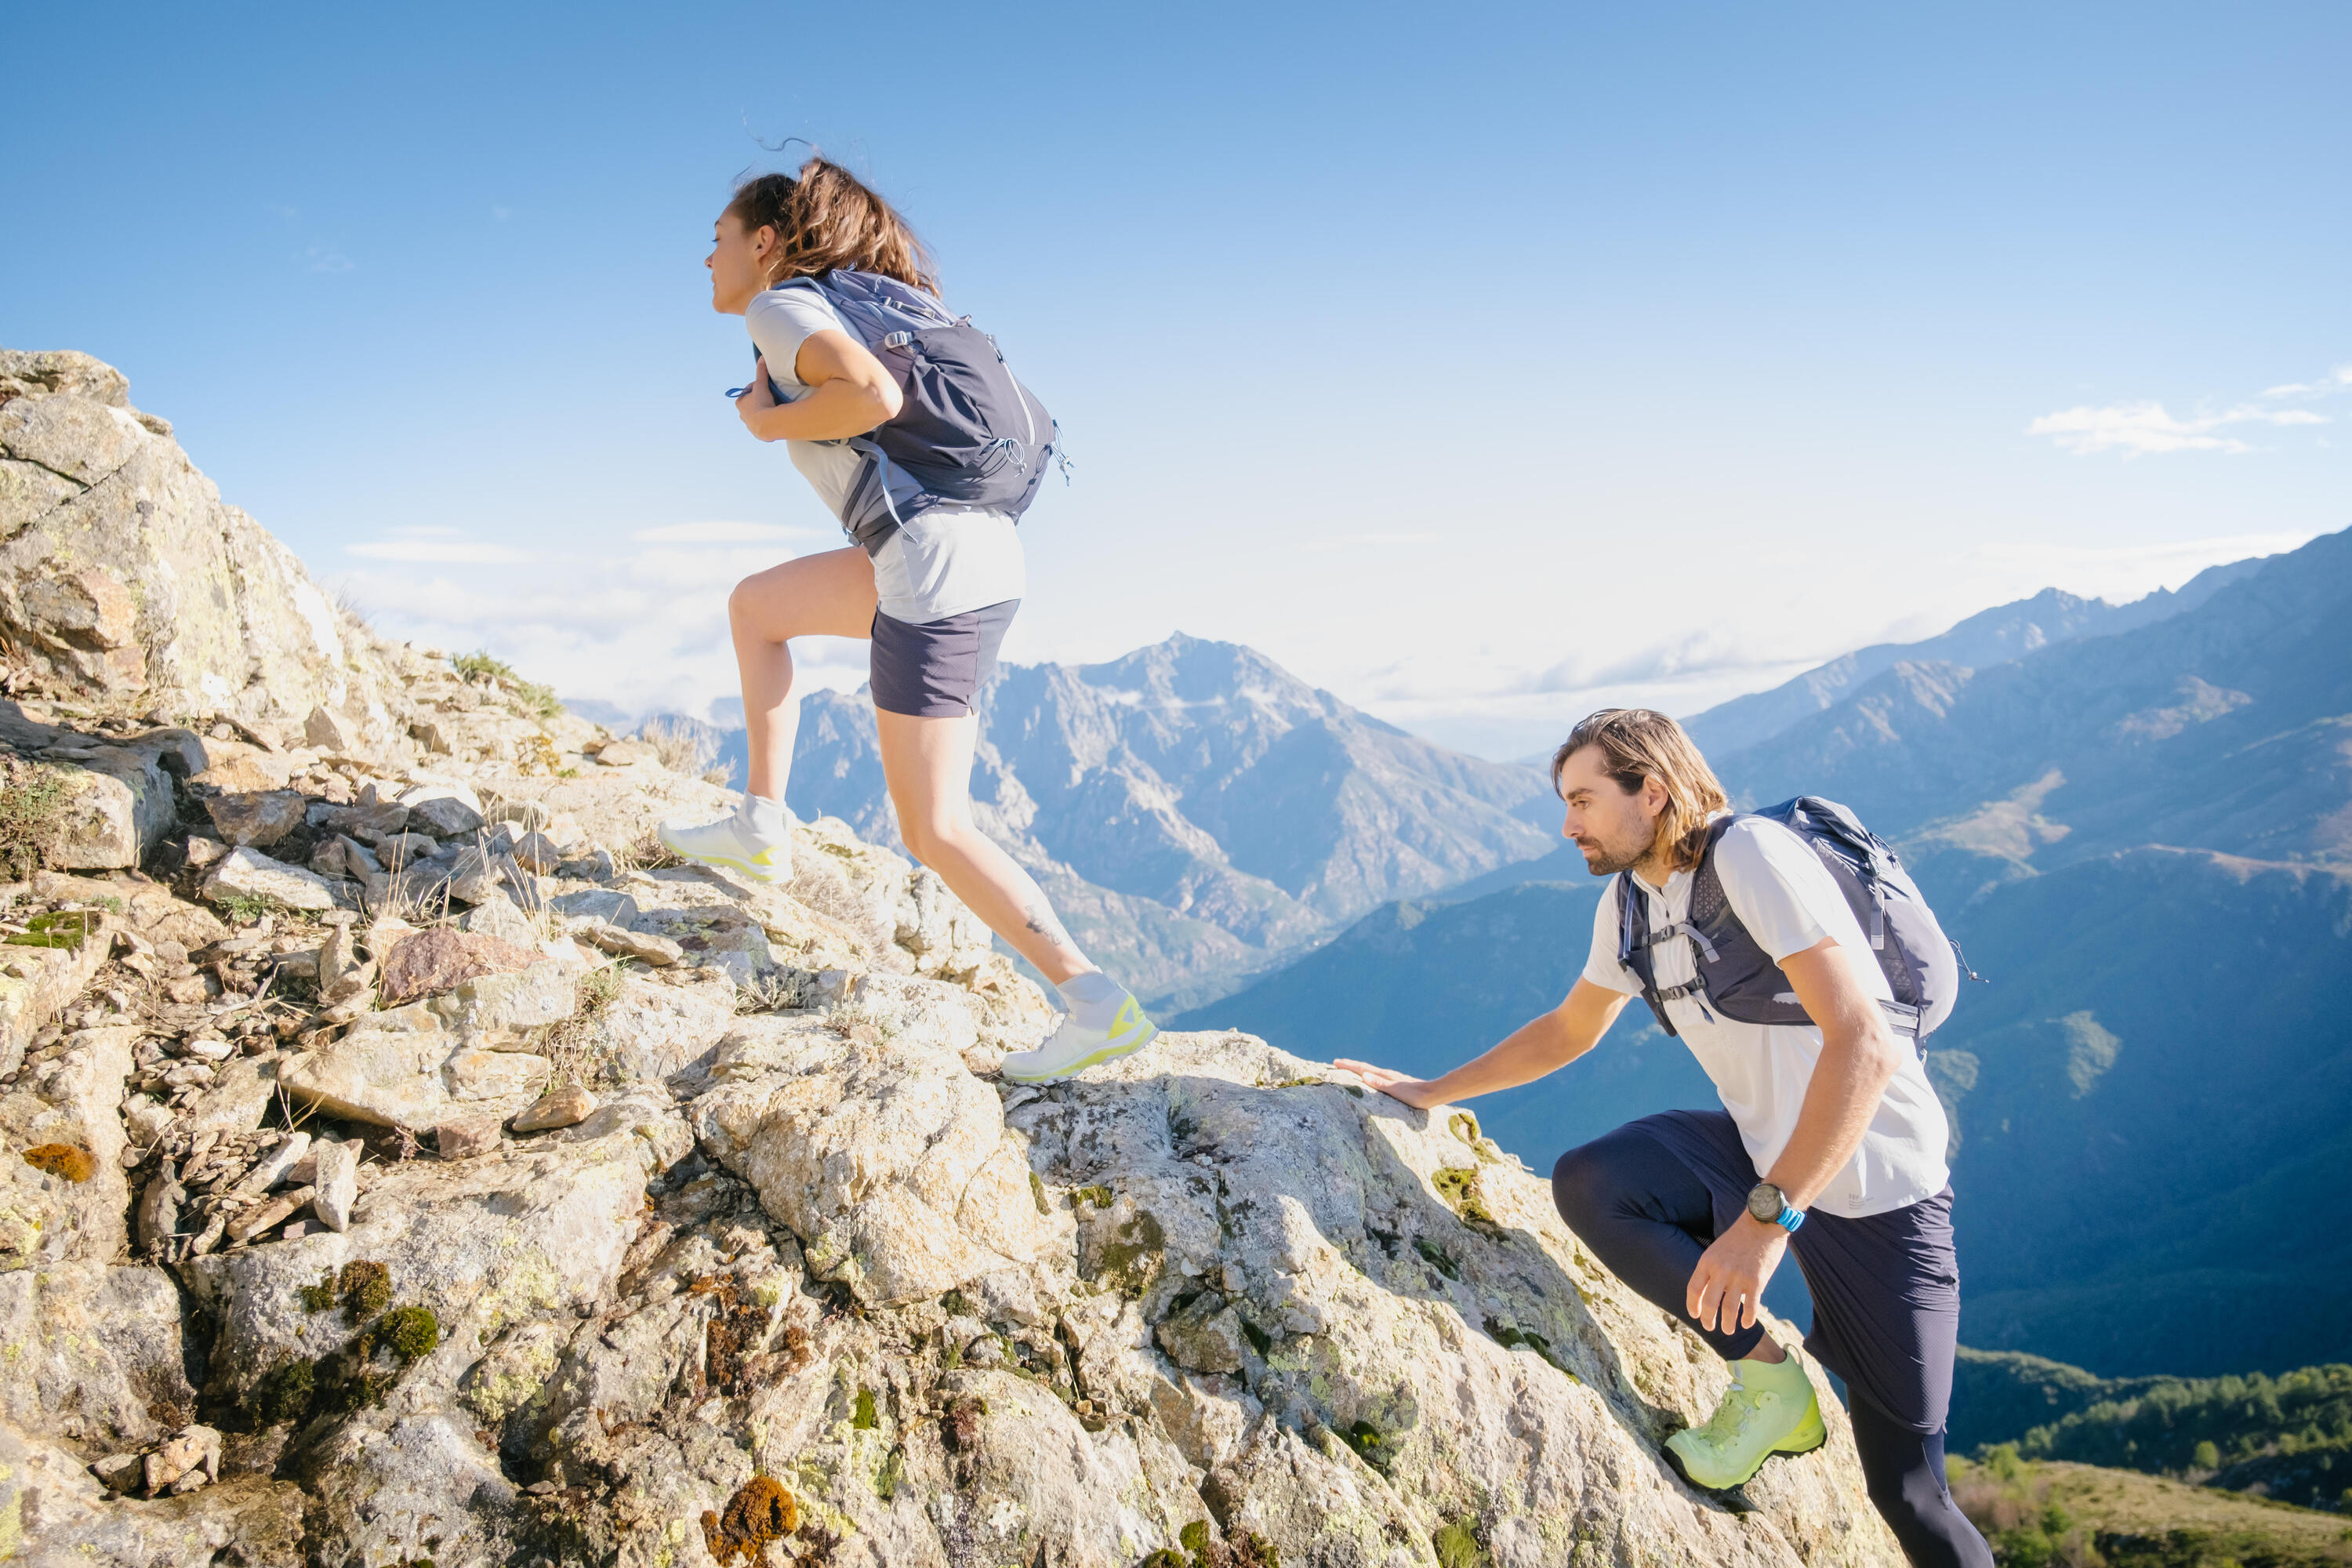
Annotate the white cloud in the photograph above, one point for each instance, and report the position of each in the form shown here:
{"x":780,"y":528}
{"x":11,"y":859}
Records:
{"x":326,"y":259}
{"x":439,"y":551}
{"x":2334,"y":381}
{"x":642,"y":629}
{"x":2147,"y":428}
{"x":720,"y":534}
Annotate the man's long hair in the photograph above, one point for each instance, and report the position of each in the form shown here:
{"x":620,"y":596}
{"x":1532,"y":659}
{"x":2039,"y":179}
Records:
{"x":1638,"y":743}
{"x":825,"y":217}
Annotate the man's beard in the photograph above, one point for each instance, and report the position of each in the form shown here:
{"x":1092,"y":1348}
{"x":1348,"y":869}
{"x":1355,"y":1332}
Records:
{"x":1607,"y":862}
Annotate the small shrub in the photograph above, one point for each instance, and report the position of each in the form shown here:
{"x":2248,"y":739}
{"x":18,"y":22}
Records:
{"x":480,"y":668}
{"x":682,"y":746}
{"x":34,"y":817}
{"x":244,"y":909}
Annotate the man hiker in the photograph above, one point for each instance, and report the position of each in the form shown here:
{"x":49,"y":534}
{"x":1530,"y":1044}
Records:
{"x":1829,"y":1143}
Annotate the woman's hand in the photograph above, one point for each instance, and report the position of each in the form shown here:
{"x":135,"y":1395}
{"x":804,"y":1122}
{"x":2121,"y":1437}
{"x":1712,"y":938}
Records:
{"x":757,"y":398}
{"x":1419,"y":1093}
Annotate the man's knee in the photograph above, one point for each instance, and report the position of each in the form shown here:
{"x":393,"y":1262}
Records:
{"x":1582,"y":1186}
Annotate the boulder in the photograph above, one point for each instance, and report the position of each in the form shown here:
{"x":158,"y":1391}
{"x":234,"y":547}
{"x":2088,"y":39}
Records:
{"x":120,"y":795}
{"x":261,"y":818}
{"x":443,"y":810}
{"x":412,"y":1078}
{"x":249,"y":874}
{"x":432,"y":961}
{"x":889,"y":1161}
{"x":722,"y":936}
{"x":36,"y":983}
{"x":123,"y":573}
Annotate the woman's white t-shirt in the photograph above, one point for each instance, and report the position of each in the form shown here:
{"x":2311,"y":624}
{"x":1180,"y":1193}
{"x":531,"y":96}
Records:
{"x":1788,"y":902}
{"x":943,"y":563}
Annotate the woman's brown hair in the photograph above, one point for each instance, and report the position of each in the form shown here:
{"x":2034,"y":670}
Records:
{"x":1637,"y":744}
{"x":824,"y":217}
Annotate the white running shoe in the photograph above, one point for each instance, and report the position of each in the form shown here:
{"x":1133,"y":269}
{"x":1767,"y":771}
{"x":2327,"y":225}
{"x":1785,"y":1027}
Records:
{"x":1073,"y":1048}
{"x":731,"y":844}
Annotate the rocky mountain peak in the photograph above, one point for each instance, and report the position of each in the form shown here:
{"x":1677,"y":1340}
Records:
{"x":401,"y":1162}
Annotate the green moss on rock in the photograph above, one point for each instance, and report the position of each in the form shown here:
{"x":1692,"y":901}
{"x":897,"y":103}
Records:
{"x":409,"y":1331}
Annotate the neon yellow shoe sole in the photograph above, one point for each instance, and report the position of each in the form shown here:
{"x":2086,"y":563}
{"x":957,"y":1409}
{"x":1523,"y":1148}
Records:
{"x":1108,"y":1053}
{"x":770,"y":875}
{"x":1807,"y":1434}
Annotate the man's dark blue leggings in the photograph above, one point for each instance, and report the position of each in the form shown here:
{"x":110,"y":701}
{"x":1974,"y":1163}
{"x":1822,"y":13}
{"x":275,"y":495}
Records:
{"x":1649,"y":1197}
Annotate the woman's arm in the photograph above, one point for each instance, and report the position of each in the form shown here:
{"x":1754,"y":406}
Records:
{"x":849,"y":394}
{"x":1540,"y":1045}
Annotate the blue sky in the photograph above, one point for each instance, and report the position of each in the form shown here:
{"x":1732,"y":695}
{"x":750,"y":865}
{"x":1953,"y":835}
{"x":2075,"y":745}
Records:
{"x":1481,"y":366}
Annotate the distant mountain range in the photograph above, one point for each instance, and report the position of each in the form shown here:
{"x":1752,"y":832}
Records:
{"x":1195,"y":810}
{"x":2143,"y":836}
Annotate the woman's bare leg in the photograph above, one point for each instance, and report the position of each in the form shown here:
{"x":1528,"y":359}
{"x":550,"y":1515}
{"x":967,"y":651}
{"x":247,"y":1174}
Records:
{"x":927,"y":763}
{"x":827,"y":594}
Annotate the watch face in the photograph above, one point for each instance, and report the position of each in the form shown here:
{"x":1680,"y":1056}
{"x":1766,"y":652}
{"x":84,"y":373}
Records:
{"x":1766,"y":1202}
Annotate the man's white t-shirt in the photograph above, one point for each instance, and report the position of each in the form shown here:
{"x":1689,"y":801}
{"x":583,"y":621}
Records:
{"x":1788,"y":902}
{"x":943,"y":563}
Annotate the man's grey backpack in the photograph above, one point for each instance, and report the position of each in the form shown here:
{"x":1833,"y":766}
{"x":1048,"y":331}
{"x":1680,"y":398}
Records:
{"x":967,"y":433}
{"x":1737,"y":978}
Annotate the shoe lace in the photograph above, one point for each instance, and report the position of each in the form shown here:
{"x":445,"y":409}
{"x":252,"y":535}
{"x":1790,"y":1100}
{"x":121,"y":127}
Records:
{"x":1732,"y":1418}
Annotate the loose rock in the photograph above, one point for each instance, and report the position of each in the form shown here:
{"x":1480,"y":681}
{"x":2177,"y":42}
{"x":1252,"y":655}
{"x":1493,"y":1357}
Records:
{"x":337,"y":1176}
{"x":467,"y":1136}
{"x":249,"y":873}
{"x":566,"y":1105}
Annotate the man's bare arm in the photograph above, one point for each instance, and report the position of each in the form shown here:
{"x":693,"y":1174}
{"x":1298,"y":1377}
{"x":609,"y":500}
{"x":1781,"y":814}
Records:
{"x":1540,"y":1045}
{"x":1858,"y":1061}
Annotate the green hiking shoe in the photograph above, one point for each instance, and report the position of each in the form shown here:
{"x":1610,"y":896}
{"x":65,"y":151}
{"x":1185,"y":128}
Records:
{"x":1770,"y":1410}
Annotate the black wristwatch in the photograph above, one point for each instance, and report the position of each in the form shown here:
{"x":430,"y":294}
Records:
{"x":1769,"y":1204}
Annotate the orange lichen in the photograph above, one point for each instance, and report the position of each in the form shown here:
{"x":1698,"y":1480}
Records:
{"x":759,"y":1512}
{"x":62,"y":1160}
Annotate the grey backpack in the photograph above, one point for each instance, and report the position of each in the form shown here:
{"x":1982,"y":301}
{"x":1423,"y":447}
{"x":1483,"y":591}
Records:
{"x":1737,"y":979}
{"x":967,"y":433}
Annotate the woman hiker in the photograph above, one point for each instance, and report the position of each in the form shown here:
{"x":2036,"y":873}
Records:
{"x":931,"y":584}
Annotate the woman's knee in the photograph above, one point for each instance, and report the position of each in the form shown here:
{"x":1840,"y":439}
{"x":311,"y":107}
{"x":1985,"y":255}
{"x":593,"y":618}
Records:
{"x":929,"y":839}
{"x":743,"y":602}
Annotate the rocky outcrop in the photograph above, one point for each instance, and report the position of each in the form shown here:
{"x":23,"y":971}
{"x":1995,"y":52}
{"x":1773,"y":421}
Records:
{"x":406,"y":1164}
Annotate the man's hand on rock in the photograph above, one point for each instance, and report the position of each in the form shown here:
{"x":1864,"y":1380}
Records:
{"x":1727,"y":1288}
{"x":1416,"y":1092}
